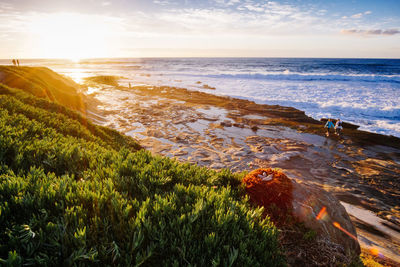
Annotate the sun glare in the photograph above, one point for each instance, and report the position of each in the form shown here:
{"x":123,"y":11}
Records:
{"x":70,"y":36}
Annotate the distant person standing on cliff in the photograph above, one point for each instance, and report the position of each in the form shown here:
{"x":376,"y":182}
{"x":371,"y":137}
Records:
{"x":18,"y":62}
{"x":14,"y":62}
{"x":329,"y":125}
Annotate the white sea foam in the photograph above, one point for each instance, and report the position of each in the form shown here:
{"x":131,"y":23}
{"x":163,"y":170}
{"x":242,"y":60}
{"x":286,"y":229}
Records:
{"x":375,"y":106}
{"x":364,"y":92}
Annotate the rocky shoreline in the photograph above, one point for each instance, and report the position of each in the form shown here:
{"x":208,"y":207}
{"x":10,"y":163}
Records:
{"x":361,"y":169}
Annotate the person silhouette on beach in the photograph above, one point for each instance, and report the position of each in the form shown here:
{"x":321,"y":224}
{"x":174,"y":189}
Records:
{"x":18,"y":62}
{"x":329,"y":125}
{"x":14,"y":62}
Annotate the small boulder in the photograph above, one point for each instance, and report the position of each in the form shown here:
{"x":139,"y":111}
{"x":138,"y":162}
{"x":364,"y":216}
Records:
{"x":321,"y":211}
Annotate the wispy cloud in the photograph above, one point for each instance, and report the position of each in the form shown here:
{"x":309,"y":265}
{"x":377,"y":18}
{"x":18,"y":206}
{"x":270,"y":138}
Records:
{"x":211,"y":24}
{"x":359,"y":15}
{"x":245,"y":18}
{"x":387,"y":32}
{"x":162,"y":2}
{"x":5,"y":5}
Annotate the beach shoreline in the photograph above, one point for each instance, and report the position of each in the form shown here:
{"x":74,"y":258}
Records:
{"x":361,"y":91}
{"x":223,"y":132}
{"x":219,"y":132}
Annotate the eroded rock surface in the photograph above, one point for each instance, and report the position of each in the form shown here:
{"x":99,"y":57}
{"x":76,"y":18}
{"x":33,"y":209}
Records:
{"x":219,"y":133}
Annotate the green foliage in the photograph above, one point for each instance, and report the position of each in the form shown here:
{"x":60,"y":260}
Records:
{"x":44,"y":83}
{"x":60,"y":118}
{"x":72,"y":193}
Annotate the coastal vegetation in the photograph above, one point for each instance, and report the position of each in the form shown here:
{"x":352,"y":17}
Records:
{"x":74,"y":193}
{"x":43,"y":83}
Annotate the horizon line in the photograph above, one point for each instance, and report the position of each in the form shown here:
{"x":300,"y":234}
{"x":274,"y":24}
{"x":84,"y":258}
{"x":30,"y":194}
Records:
{"x":171,"y":57}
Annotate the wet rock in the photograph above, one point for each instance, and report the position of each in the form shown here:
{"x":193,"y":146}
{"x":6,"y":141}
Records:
{"x":254,"y":128}
{"x":262,"y":156}
{"x":154,"y":133}
{"x":179,"y":153}
{"x":200,"y":154}
{"x":240,"y":153}
{"x":180,"y":139}
{"x":342,"y":167}
{"x":319,"y":172}
{"x":226,"y":123}
{"x":208,"y":118}
{"x":284,"y":156}
{"x":217,"y":166}
{"x":206,"y":86}
{"x":239,"y":125}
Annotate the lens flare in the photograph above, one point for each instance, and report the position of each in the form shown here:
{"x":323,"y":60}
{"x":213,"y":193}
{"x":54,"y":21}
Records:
{"x":321,"y":214}
{"x":374,"y":251}
{"x":338,"y":226}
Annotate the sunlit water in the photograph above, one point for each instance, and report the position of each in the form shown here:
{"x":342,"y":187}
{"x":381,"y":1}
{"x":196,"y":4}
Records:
{"x":362,"y":91}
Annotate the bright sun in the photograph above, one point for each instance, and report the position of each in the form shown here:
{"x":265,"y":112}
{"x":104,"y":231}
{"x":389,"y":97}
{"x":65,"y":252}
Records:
{"x":70,"y":36}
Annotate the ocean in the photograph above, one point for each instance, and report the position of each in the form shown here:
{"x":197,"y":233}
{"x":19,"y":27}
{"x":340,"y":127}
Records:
{"x":365,"y":92}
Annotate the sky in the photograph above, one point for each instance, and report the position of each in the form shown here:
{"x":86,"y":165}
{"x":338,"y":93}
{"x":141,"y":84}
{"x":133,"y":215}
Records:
{"x":78,"y":29}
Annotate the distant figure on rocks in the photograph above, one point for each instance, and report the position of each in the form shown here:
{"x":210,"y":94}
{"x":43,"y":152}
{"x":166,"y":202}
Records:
{"x":329,"y":125}
{"x":338,"y":127}
{"x":18,"y":62}
{"x":14,"y":62}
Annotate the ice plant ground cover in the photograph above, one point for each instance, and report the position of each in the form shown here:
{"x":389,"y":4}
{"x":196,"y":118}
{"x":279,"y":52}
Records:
{"x":75,"y":193}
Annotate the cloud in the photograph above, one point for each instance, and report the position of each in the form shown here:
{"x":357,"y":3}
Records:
{"x":254,"y":8}
{"x":162,"y":2}
{"x":226,"y":2}
{"x":386,"y":32}
{"x":243,"y":18}
{"x":233,"y":2}
{"x":359,"y":15}
{"x":5,"y":7}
